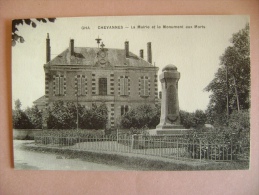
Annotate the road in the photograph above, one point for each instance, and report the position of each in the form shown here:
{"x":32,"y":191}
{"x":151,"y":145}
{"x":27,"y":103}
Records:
{"x":24,"y":159}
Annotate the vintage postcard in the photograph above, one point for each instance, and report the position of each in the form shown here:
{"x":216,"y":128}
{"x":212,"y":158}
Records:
{"x":131,"y":93}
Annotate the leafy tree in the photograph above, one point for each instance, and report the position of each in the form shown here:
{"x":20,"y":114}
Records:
{"x":240,"y":121}
{"x":200,"y":118}
{"x":94,"y":118}
{"x":35,"y":117}
{"x":195,"y":120}
{"x":18,"y":38}
{"x":63,"y":115}
{"x":140,"y":117}
{"x":231,"y":86}
{"x":17,"y":104}
{"x":20,"y":119}
{"x":187,"y":119}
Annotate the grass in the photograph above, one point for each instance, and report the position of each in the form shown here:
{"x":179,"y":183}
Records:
{"x":137,"y":162}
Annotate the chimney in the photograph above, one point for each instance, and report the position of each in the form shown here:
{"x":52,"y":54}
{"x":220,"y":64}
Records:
{"x":47,"y":48}
{"x":127,"y":49}
{"x":149,"y":53}
{"x":141,"y":53}
{"x":71,"y":47}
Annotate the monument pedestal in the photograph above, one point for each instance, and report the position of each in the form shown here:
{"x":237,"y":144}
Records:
{"x":169,"y":131}
{"x":170,"y":117}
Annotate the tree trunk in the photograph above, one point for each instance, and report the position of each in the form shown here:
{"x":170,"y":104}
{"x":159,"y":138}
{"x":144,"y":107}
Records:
{"x":238,"y":108}
{"x":227,"y":92}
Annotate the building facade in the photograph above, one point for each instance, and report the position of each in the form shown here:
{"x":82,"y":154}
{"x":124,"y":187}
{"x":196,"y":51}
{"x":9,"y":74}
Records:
{"x":117,"y":77}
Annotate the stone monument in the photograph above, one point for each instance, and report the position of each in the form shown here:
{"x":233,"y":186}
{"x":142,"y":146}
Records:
{"x":170,"y":117}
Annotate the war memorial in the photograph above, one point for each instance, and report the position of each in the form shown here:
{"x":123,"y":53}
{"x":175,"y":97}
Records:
{"x":170,"y":117}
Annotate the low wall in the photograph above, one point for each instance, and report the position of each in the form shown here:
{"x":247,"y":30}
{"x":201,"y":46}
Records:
{"x":28,"y":134}
{"x":24,"y":134}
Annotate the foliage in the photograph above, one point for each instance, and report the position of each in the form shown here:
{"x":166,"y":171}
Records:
{"x":195,"y":120}
{"x":63,"y":115}
{"x":20,"y":119}
{"x":35,"y":117}
{"x":94,"y":118}
{"x":232,"y":79}
{"x":233,"y":139}
{"x":239,"y":121}
{"x":140,"y":117}
{"x":16,"y":37}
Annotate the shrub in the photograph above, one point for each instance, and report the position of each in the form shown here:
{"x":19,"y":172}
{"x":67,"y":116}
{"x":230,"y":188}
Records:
{"x":140,"y":117}
{"x":195,"y":120}
{"x":63,"y":115}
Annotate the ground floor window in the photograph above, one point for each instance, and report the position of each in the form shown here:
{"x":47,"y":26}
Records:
{"x":124,"y":109}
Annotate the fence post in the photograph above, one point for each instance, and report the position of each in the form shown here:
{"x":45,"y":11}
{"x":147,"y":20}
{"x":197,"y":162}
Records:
{"x":231,"y":145}
{"x":200,"y":149}
{"x":193,"y":154}
{"x":79,"y":142}
{"x":144,"y":145}
{"x":160,"y":146}
{"x":177,"y":150}
{"x":132,"y":142}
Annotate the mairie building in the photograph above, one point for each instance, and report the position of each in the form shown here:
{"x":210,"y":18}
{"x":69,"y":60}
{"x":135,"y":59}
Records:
{"x":117,"y":77}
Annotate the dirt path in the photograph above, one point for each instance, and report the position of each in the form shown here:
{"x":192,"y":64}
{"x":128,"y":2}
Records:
{"x":24,"y":159}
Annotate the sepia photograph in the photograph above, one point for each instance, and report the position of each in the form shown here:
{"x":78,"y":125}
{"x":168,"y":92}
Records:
{"x":137,"y":93}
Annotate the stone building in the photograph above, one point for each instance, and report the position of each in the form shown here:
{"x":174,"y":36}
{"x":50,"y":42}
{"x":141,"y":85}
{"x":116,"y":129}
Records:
{"x":117,"y":77}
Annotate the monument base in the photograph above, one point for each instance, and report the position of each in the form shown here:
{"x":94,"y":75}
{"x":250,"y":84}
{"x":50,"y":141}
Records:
{"x":168,"y":129}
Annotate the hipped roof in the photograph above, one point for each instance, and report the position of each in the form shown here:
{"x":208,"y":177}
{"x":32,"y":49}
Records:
{"x":88,"y":56}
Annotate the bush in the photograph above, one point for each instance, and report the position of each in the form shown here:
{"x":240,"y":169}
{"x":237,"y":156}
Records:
{"x":140,"y":117}
{"x":20,"y":119}
{"x":239,"y":121}
{"x":221,"y":140}
{"x":195,"y":120}
{"x":63,"y":115}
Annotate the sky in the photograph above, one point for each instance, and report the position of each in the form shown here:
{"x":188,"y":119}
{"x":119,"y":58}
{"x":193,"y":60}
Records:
{"x":195,"y":51}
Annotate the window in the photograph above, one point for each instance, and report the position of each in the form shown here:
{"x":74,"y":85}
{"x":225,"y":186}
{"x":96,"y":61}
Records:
{"x":80,"y":85}
{"x":103,"y":86}
{"x":144,"y":86}
{"x":124,"y":109}
{"x":59,"y":85}
{"x":124,"y":86}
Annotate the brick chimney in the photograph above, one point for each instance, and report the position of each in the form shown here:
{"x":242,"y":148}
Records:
{"x":127,"y":49}
{"x":47,"y":48}
{"x":141,"y":53}
{"x":149,"y":53}
{"x":71,"y":47}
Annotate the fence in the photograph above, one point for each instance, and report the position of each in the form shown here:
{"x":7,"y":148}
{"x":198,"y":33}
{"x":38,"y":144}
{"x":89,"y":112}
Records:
{"x":177,"y":147}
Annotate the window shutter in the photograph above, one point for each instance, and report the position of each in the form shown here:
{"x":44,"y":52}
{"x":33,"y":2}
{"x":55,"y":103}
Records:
{"x":126,"y":86}
{"x":79,"y":86}
{"x":122,"y":87}
{"x":102,"y":86}
{"x":57,"y":85}
{"x":83,"y":85}
{"x":61,"y":85}
{"x":146,"y":87}
{"x":142,"y":87}
{"x":126,"y":109}
{"x":122,"y":110}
